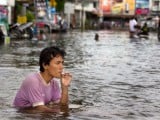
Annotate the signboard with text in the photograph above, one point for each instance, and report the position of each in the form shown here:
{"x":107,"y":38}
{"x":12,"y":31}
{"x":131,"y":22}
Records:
{"x":105,"y":6}
{"x":41,"y":8}
{"x":11,"y":3}
{"x":7,"y":2}
{"x":69,"y":8}
{"x":3,"y":2}
{"x":129,"y":7}
{"x":142,"y":7}
{"x":117,"y":7}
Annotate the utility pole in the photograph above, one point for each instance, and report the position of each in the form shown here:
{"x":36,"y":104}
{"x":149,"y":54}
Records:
{"x":82,"y":17}
{"x":83,"y":14}
{"x":158,"y":35}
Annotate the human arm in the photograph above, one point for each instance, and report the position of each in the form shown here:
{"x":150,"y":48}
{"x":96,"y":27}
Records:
{"x":65,"y":82}
{"x":34,"y":92}
{"x":46,"y":109}
{"x":60,"y":104}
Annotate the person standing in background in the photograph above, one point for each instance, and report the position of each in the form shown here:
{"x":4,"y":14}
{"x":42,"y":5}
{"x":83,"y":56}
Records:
{"x":132,"y":27}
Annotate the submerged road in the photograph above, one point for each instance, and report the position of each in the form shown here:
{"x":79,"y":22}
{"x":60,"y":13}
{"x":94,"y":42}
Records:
{"x":114,"y":78}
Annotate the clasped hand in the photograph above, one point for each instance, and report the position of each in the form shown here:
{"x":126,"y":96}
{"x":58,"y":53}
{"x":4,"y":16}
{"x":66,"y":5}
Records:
{"x":66,"y":79}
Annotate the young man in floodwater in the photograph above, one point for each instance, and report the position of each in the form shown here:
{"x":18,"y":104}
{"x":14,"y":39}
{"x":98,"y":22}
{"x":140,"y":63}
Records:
{"x":39,"y":91}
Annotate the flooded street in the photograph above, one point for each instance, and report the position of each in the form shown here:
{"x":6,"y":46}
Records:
{"x":115,"y":78}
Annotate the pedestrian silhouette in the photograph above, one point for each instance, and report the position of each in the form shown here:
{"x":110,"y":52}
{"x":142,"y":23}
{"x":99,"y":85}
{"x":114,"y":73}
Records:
{"x":96,"y":37}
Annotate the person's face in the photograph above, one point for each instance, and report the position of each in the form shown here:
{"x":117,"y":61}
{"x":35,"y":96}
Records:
{"x":55,"y":67}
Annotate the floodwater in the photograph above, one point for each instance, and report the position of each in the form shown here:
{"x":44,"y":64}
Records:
{"x":114,"y":78}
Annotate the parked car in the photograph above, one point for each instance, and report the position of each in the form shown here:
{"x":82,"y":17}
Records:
{"x":46,"y":24}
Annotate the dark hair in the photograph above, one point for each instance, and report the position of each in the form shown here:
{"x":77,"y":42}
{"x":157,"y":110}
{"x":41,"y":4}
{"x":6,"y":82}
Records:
{"x":47,"y":54}
{"x":145,"y":24}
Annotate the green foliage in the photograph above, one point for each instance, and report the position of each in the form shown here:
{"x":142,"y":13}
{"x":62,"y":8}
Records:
{"x":60,"y":5}
{"x":18,"y":9}
{"x":30,"y":16}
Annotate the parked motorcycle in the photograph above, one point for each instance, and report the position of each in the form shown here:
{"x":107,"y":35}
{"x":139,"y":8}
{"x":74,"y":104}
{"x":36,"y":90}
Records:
{"x":21,"y":31}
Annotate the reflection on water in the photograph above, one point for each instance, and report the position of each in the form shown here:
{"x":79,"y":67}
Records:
{"x":114,"y":78}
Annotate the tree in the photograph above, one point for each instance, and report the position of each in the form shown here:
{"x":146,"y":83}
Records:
{"x":60,"y":5}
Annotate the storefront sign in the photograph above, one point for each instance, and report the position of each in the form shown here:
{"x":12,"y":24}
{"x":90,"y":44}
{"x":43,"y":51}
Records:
{"x":7,"y":3}
{"x":129,"y":7}
{"x":142,"y":7}
{"x":69,"y":8}
{"x":117,"y":7}
{"x":120,"y":7}
{"x":41,"y":8}
{"x":11,"y":3}
{"x":105,"y":6}
{"x":3,"y":2}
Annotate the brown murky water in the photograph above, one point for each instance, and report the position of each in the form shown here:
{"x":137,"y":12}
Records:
{"x":115,"y":78}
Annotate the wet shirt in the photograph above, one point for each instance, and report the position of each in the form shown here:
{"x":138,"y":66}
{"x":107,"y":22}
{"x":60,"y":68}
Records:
{"x":132,"y":24}
{"x":34,"y":91}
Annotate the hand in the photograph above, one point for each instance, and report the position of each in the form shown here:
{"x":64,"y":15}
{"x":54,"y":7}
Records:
{"x":66,"y":79}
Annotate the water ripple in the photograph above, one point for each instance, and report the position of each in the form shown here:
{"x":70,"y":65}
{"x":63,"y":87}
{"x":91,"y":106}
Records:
{"x":115,"y":78}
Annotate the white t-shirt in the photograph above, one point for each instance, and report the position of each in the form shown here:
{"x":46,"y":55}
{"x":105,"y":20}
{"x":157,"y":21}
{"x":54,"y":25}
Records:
{"x":132,"y":24}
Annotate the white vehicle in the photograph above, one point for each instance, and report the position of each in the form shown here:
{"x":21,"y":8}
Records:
{"x":4,"y":29}
{"x":48,"y":25}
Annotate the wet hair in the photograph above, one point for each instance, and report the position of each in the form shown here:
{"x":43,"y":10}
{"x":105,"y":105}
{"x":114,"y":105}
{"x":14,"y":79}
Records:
{"x":47,"y":54}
